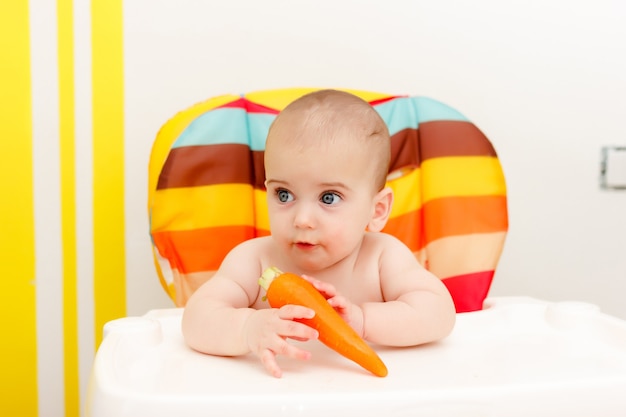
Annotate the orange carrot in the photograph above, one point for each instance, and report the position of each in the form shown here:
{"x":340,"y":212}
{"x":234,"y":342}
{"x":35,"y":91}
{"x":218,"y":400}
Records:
{"x":287,"y":288}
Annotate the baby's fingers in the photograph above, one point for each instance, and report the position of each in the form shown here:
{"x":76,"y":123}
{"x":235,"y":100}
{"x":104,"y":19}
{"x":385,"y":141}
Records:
{"x":280,"y":347}
{"x":339,"y":302}
{"x":293,"y":312}
{"x":327,"y":290}
{"x":291,"y":328}
{"x":268,"y":359}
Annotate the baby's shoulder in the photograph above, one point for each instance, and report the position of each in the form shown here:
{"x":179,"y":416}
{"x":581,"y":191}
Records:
{"x":383,"y":246}
{"x":382,"y":240}
{"x":254,"y":248}
{"x":255,"y":242}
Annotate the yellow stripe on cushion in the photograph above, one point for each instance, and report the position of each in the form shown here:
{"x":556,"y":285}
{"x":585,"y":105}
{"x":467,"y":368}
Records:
{"x":462,"y":176}
{"x":164,"y":272}
{"x":406,"y":191}
{"x":261,"y":214}
{"x":368,"y":96}
{"x":457,"y":255}
{"x":279,"y":99}
{"x":170,"y":131}
{"x":202,"y":207}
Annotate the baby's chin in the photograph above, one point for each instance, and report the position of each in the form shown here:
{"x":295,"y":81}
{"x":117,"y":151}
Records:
{"x":307,"y":262}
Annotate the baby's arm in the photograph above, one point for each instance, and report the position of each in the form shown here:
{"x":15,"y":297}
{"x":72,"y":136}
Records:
{"x":418,"y":307}
{"x":218,"y":318}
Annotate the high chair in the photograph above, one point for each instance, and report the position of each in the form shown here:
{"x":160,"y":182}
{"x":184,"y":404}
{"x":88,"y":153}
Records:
{"x":206,"y":189}
{"x":513,"y":356}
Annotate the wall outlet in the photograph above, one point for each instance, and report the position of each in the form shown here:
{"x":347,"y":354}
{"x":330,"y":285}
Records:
{"x":613,"y":168}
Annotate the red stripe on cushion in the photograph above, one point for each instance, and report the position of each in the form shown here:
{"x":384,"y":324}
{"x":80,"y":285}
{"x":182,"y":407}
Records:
{"x":384,"y":100}
{"x":249,"y":106}
{"x":469,"y":290}
{"x":238,"y":104}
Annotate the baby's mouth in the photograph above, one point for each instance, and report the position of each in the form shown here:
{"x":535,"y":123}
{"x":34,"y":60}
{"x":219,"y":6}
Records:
{"x":304,"y":245}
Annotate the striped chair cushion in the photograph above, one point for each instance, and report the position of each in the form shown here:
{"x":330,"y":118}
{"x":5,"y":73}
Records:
{"x":206,"y":191}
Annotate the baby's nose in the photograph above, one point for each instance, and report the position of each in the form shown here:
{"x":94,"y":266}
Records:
{"x":304,"y":218}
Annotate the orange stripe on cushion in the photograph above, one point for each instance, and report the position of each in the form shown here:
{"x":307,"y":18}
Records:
{"x":201,"y":249}
{"x":447,"y":217}
{"x":464,"y":215}
{"x":407,"y":228}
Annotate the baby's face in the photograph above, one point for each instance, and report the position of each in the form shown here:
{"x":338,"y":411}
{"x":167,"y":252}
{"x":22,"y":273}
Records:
{"x":320,"y":201}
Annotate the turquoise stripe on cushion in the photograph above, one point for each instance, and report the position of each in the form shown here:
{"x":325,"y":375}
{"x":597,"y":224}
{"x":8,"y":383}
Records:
{"x":227,"y":125}
{"x":259,"y":125}
{"x":398,"y":114}
{"x":235,"y":125}
{"x":429,"y":110}
{"x":408,"y":112}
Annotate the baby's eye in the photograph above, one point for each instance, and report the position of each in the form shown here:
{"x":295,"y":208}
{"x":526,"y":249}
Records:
{"x":284,"y":196}
{"x":330,"y":198}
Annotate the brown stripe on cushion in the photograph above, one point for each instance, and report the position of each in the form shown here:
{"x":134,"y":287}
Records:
{"x":453,"y":138}
{"x":259,"y":169}
{"x":235,"y":163}
{"x":191,"y":166}
{"x":404,"y":150}
{"x":410,"y":147}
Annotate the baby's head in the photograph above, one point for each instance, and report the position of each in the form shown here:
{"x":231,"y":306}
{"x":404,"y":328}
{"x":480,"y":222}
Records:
{"x":331,"y":118}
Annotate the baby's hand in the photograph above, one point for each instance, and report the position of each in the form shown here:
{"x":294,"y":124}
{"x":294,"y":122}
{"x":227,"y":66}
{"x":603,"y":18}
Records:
{"x":351,"y":313}
{"x":266,"y":332}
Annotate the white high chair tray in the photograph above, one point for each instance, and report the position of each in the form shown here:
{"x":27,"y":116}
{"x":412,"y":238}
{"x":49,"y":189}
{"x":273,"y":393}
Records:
{"x":518,"y":357}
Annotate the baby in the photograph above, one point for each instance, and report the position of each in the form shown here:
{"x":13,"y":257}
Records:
{"x":326,"y":161}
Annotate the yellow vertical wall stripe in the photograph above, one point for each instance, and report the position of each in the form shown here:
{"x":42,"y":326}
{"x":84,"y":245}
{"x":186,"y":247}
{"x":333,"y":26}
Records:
{"x":108,"y":162}
{"x":68,"y":204}
{"x":18,"y":357}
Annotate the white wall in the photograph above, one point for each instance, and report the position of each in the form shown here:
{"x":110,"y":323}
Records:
{"x":545,"y":80}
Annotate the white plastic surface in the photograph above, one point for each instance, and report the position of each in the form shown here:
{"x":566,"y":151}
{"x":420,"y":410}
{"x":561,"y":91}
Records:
{"x":518,"y":357}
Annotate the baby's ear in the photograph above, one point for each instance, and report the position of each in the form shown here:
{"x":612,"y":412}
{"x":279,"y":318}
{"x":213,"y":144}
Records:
{"x":382,"y":209}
